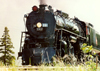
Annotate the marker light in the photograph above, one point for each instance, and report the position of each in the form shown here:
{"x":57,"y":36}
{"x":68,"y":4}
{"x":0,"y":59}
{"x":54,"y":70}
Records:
{"x":35,"y":8}
{"x":44,"y":24}
{"x":39,"y":24}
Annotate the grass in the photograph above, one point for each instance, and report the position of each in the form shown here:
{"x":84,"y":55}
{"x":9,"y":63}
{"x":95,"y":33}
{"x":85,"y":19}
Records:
{"x":57,"y":65}
{"x":88,"y":66}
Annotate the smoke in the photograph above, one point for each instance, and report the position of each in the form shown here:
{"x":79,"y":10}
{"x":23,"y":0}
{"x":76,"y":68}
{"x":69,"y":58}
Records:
{"x":42,"y":2}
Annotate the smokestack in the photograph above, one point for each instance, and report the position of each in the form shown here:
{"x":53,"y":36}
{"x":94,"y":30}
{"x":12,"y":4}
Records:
{"x":42,"y":2}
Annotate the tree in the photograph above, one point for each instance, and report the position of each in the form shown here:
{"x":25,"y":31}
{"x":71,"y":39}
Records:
{"x":6,"y":48}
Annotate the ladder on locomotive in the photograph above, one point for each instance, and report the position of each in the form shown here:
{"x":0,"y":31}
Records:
{"x":23,"y":35}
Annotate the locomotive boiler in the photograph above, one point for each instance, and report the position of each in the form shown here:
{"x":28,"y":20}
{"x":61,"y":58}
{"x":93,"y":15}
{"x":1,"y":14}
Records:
{"x":51,"y":33}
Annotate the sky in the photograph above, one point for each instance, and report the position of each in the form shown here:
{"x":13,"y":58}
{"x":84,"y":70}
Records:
{"x":12,"y":13}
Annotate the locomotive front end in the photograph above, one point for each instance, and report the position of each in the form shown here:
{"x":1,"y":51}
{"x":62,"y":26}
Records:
{"x":38,"y":44}
{"x":40,"y":22}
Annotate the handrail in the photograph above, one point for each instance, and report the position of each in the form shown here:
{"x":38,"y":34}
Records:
{"x":72,"y":33}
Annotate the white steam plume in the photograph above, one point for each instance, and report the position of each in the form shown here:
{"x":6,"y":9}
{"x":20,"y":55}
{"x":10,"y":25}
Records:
{"x":43,"y":2}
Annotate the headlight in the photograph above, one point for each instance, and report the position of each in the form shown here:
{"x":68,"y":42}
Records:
{"x":39,"y":24}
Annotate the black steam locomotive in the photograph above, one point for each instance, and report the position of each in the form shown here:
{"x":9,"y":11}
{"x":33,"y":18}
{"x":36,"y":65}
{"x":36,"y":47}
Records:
{"x":52,"y":33}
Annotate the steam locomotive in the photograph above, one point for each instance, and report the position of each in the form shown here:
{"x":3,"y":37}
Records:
{"x":51,"y":33}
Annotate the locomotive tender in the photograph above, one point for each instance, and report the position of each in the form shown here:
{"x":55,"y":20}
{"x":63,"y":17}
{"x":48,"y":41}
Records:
{"x":52,"y":33}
